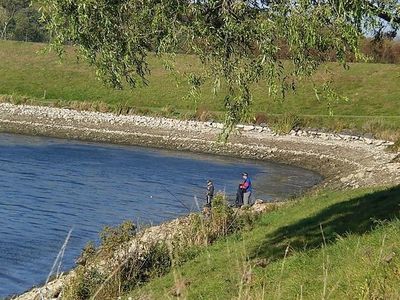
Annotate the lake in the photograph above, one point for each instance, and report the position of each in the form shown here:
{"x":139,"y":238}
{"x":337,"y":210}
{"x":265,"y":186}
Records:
{"x":48,"y":186}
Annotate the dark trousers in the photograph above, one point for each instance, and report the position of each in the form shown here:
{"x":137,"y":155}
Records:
{"x":209,"y":199}
{"x":239,"y":197}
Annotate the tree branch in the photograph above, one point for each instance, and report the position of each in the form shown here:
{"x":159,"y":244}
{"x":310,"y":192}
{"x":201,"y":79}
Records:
{"x":384,"y":14}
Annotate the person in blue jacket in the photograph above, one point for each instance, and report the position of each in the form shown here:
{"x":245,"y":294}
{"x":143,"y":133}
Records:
{"x":246,"y":188}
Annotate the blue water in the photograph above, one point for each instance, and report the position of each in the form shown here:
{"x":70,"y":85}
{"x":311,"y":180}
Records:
{"x":48,"y":186}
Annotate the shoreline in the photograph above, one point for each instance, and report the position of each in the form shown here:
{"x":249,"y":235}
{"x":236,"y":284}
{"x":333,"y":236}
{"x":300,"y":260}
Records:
{"x":343,"y":160}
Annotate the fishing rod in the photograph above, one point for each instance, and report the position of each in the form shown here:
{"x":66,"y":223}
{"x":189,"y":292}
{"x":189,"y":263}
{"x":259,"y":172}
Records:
{"x":176,"y":198}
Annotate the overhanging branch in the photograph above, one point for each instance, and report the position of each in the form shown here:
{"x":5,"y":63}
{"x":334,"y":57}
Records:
{"x":383,"y":14}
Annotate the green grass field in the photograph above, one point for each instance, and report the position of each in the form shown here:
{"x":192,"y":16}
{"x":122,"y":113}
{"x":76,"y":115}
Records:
{"x":27,"y":75}
{"x":331,"y":245}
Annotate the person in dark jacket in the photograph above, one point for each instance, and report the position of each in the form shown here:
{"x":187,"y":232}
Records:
{"x":210,"y":192}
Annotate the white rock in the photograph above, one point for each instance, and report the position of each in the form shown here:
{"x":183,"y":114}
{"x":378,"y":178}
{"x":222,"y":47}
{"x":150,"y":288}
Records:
{"x":248,"y":128}
{"x":368,"y":141}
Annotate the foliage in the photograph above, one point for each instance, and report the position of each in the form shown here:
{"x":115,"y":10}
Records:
{"x":396,"y":146}
{"x":83,"y":284}
{"x":203,"y":114}
{"x":285,"y":123}
{"x":384,"y":50}
{"x":168,"y":111}
{"x":219,"y":221}
{"x":89,"y":281}
{"x":237,"y":41}
{"x":88,"y":252}
{"x":260,"y":118}
{"x":155,"y":262}
{"x":113,"y":268}
{"x":114,"y":237}
{"x":19,"y":20}
{"x":222,"y":220}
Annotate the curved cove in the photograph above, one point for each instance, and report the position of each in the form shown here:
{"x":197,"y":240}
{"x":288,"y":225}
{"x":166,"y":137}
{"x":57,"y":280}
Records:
{"x":48,"y":186}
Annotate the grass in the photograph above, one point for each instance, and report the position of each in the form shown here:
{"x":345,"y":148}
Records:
{"x":372,"y":90}
{"x":331,"y":245}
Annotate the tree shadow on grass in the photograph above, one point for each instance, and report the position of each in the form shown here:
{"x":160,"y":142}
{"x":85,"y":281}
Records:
{"x":357,"y":216}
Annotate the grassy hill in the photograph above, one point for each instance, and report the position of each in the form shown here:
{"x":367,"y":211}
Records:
{"x":331,"y":245}
{"x":372,"y":89}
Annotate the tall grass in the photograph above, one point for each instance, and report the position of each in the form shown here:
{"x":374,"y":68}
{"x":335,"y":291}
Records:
{"x":285,"y":123}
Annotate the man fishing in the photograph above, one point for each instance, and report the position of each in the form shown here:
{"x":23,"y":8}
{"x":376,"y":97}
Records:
{"x":210,"y":192}
{"x":246,"y":188}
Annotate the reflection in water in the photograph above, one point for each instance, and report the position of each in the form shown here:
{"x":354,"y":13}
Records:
{"x":48,"y":186}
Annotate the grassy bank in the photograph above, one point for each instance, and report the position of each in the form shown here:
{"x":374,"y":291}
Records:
{"x":372,"y":90}
{"x":331,"y":245}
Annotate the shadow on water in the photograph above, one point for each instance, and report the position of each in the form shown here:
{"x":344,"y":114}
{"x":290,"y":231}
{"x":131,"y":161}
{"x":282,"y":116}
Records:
{"x":357,"y":216}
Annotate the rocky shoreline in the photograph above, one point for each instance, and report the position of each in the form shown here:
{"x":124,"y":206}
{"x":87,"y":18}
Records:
{"x":345,"y":161}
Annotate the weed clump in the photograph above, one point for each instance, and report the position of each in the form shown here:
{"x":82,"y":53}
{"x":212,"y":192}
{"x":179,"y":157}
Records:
{"x":285,"y":123}
{"x":203,"y":114}
{"x":83,"y":284}
{"x":122,"y":109}
{"x":113,"y":238}
{"x":395,"y":147}
{"x":260,"y":118}
{"x":168,"y":111}
{"x":221,"y":220}
{"x":89,"y":278}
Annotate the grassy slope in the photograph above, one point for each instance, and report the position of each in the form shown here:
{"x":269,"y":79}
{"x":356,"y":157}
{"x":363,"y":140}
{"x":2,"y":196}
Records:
{"x":372,"y":88}
{"x":361,"y":230}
